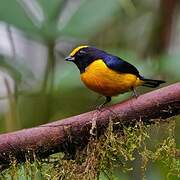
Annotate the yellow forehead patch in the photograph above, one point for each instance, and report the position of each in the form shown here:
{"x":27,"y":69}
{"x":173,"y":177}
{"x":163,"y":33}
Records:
{"x":75,"y":50}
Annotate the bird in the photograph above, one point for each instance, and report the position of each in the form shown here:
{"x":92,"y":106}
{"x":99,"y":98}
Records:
{"x":107,"y":74}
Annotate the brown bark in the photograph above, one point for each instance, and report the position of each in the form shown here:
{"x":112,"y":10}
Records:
{"x":69,"y":134}
{"x":161,"y":33}
{"x":167,"y":13}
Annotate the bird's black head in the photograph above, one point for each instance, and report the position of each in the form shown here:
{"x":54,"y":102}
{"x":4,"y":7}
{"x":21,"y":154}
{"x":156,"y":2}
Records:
{"x":82,"y":56}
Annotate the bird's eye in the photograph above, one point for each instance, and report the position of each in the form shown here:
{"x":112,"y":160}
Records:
{"x":81,"y":52}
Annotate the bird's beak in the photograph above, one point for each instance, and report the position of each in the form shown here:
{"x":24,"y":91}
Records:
{"x":69,"y":58}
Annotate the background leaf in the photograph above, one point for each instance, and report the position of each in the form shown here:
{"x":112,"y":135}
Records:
{"x":12,"y":13}
{"x":90,"y":16}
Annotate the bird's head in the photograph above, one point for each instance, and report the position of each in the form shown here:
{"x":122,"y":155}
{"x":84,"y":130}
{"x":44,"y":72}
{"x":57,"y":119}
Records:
{"x":84,"y":55}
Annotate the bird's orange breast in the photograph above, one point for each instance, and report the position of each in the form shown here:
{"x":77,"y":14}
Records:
{"x":99,"y":78}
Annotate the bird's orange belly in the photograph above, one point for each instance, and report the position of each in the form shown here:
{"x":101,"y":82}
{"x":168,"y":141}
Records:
{"x":99,"y":78}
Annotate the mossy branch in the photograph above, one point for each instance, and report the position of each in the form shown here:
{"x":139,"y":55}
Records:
{"x":73,"y":133}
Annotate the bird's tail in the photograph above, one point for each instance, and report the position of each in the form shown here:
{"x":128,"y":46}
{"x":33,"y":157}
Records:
{"x":151,"y":82}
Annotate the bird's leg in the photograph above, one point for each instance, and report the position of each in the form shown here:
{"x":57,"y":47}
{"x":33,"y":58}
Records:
{"x":108,"y":99}
{"x":134,"y":93}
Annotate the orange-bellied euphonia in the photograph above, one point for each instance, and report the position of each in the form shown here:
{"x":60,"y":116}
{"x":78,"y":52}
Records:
{"x":107,"y":74}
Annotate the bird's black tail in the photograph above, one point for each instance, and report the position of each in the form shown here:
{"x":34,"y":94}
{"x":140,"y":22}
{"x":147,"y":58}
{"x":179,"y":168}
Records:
{"x":151,"y":82}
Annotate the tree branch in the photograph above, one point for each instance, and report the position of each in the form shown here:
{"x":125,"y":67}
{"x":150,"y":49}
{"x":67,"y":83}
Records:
{"x":69,"y":134}
{"x":161,"y":32}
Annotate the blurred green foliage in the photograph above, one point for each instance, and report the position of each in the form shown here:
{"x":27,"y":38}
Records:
{"x":124,"y":28}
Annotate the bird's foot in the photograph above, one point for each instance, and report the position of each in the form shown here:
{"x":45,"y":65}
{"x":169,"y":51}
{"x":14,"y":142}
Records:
{"x":99,"y":107}
{"x":134,"y":94}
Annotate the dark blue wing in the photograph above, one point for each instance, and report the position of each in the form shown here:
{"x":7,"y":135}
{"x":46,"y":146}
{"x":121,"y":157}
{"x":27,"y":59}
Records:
{"x":119,"y":65}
